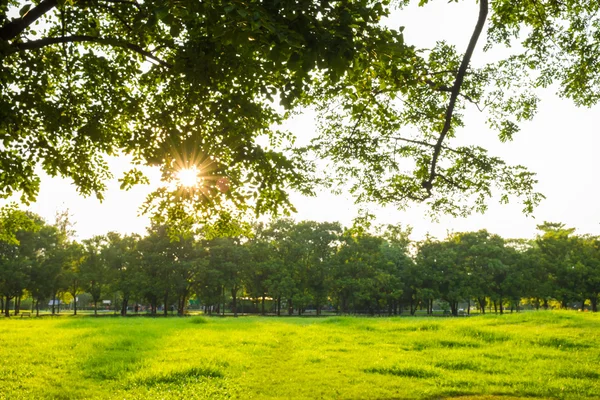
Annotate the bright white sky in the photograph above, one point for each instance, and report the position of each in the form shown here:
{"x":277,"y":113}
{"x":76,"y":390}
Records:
{"x":560,"y":145}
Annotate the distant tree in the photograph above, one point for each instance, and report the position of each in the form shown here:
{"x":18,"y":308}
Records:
{"x":15,"y":260}
{"x":231,"y":259}
{"x":123,"y":260}
{"x":312,"y":247}
{"x":587,"y":257}
{"x":558,"y":249}
{"x":190,"y":259}
{"x":45,"y":270}
{"x":72,"y":278}
{"x":94,"y":269}
{"x":264,"y":265}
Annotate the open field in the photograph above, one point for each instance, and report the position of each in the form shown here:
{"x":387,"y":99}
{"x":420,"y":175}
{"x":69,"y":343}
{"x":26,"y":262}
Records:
{"x":538,"y":354}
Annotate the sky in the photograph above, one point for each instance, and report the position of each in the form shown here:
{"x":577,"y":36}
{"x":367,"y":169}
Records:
{"x":560,"y":145}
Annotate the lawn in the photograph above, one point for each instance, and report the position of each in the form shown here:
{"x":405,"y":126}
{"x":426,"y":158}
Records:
{"x":537,"y":354}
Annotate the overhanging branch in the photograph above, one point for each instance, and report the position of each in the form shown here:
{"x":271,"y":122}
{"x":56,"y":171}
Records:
{"x":14,"y":28}
{"x":455,"y":91}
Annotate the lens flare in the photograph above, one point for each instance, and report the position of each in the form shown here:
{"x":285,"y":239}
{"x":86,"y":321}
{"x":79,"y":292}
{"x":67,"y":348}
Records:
{"x":188,"y":177}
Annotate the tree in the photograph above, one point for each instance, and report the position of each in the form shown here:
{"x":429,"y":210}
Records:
{"x":264,"y":265}
{"x":72,"y":278}
{"x":123,"y":260}
{"x":158,"y":256}
{"x":15,"y":260}
{"x":171,"y":84}
{"x":591,"y":274}
{"x":230,"y":258}
{"x":312,"y":246}
{"x":44,"y":271}
{"x":94,"y":269}
{"x":282,"y":284}
{"x":442,"y":261}
{"x":558,"y":248}
{"x":206,"y":76}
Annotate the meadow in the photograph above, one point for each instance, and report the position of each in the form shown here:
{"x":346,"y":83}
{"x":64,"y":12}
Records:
{"x":548,"y":355}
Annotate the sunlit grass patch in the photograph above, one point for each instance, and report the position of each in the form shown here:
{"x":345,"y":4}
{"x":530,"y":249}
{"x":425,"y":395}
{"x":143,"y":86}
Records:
{"x":520,"y":355}
{"x":484,"y":335}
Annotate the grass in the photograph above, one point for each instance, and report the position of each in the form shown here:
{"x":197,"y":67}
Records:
{"x":546,"y":355}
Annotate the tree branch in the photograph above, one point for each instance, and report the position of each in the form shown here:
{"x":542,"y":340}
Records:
{"x":14,"y":28}
{"x":462,"y":70}
{"x":131,"y":3}
{"x":444,"y":88}
{"x":38,"y":44}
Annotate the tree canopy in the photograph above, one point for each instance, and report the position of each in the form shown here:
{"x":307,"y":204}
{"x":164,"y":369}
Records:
{"x":182,"y":84}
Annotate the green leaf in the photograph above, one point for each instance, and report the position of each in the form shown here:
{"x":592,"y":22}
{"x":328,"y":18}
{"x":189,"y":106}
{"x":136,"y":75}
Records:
{"x":24,"y":10}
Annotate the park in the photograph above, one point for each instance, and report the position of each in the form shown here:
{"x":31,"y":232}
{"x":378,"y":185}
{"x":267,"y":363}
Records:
{"x":299,"y":199}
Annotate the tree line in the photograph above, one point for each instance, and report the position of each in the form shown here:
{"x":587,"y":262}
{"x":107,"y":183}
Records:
{"x":287,"y":267}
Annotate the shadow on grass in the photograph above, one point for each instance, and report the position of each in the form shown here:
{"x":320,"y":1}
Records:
{"x":409,"y":372}
{"x":112,"y":352}
{"x":561,"y":343}
{"x":188,"y":375}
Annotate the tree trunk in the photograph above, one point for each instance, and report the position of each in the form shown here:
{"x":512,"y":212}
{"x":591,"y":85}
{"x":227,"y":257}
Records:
{"x":501,"y":306}
{"x":95,"y":307}
{"x":594,"y":302}
{"x":7,"y":307}
{"x":545,"y":305}
{"x":234,"y":301}
{"x":454,"y":308}
{"x":53,"y":301}
{"x":290,"y":307}
{"x":469,"y":307}
{"x":126,"y":301}
{"x":263,"y":305}
{"x":482,"y":304}
{"x":278,"y":306}
{"x":165,"y":306}
{"x":74,"y":303}
{"x":37,"y":308}
{"x":181,"y":308}
{"x":17,"y":305}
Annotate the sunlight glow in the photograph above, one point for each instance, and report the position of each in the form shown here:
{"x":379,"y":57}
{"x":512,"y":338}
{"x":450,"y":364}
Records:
{"x":188,"y":177}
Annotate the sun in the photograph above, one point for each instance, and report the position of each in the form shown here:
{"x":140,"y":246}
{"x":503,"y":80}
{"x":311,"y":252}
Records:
{"x":188,"y":177}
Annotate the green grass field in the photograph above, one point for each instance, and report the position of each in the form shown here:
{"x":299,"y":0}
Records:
{"x":551,"y":355}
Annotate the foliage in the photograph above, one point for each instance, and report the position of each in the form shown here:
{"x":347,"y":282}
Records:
{"x":174,"y":85}
{"x":196,"y":85}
